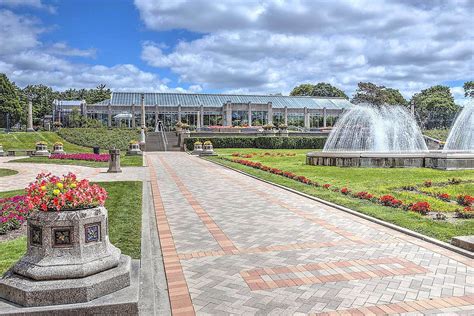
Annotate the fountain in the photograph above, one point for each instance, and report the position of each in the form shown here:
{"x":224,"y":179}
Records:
{"x":388,"y":136}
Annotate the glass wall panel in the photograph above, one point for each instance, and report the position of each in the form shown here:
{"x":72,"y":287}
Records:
{"x":213,"y":119}
{"x":240,"y":118}
{"x":189,"y":118}
{"x":169,"y":120}
{"x":315,"y":120}
{"x":296,"y":119}
{"x":278,"y":118}
{"x":259,"y":118}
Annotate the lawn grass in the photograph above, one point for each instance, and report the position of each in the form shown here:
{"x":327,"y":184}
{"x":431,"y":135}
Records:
{"x":125,"y":208}
{"x":125,"y":161}
{"x":7,"y":172}
{"x":376,"y":181}
{"x":27,"y":141}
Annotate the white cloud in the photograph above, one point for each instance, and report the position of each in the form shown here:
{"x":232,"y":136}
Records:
{"x":37,"y":4}
{"x":271,"y":46}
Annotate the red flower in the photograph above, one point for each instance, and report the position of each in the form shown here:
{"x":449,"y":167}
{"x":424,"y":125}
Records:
{"x":326,"y":185}
{"x":421,"y":207}
{"x":465,"y":200}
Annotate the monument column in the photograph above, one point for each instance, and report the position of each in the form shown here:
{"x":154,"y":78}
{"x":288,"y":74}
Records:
{"x":269,"y":113}
{"x":228,"y":114}
{"x":324,"y":117}
{"x":250,"y":114}
{"x":306,"y":117}
{"x":157,"y":117}
{"x":29,"y":126}
{"x":179,"y":112}
{"x":133,"y":116}
{"x":109,"y":115}
{"x":143,"y":122}
{"x":201,"y":110}
{"x":198,"y":119}
{"x":286,"y":115}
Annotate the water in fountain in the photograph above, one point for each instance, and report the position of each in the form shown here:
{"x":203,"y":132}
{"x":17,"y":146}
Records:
{"x":376,"y":129}
{"x":461,"y":136}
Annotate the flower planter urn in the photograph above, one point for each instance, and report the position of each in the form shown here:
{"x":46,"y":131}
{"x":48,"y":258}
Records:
{"x":69,"y":259}
{"x":58,"y":149}
{"x":208,"y":150}
{"x":197,"y":149}
{"x":41,"y":150}
{"x":134,"y":150}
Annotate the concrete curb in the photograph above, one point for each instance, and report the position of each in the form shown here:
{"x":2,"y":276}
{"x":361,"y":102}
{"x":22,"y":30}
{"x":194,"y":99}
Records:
{"x":367,"y":217}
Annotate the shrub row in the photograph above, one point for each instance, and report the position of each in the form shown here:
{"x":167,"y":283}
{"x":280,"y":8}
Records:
{"x":269,"y":142}
{"x":102,"y":137}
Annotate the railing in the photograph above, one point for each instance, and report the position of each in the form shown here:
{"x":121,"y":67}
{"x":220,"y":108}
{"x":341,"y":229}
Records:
{"x":160,"y":129}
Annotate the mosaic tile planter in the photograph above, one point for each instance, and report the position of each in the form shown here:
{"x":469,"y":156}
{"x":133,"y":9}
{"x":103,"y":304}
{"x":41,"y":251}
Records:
{"x":41,"y":150}
{"x":208,"y":150}
{"x":66,"y":247}
{"x":58,"y":149}
{"x":197,"y":149}
{"x":134,"y":150}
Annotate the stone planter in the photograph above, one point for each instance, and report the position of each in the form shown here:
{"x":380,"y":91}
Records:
{"x":197,"y":149}
{"x":41,"y":150}
{"x":58,"y":149}
{"x":208,"y":150}
{"x":69,"y":259}
{"x":134,"y":150}
{"x":2,"y":153}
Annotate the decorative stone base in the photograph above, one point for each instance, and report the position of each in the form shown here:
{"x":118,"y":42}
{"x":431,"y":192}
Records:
{"x":437,"y":160}
{"x":197,"y":152}
{"x":41,"y":153}
{"x":28,"y":293}
{"x":465,"y":242}
{"x":137,"y":152}
{"x":208,"y":153}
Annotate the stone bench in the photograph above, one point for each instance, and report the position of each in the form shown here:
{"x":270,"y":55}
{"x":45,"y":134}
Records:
{"x":20,"y":152}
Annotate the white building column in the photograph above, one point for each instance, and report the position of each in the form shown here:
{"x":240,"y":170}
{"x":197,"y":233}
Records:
{"x":324,"y":117}
{"x":143,"y":121}
{"x":286,"y":115}
{"x":198,"y":119}
{"x":133,"y":116}
{"x":228,"y":114}
{"x":269,"y":113}
{"x":179,"y":112}
{"x":306,"y":117}
{"x":29,"y":127}
{"x":201,"y":110}
{"x":250,"y":114}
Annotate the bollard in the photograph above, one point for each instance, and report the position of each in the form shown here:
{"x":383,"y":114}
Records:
{"x":114,"y":162}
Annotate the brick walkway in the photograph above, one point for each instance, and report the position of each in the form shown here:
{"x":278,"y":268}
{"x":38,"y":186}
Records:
{"x":28,"y":171}
{"x":233,"y":244}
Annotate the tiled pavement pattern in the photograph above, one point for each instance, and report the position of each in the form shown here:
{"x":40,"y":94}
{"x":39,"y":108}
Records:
{"x":218,"y":227}
{"x":28,"y":171}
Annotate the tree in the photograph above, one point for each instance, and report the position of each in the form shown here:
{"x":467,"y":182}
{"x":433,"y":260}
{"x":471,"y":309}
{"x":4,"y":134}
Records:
{"x":368,"y":92}
{"x":42,"y":99}
{"x":469,"y":89}
{"x":10,"y":101}
{"x":435,"y":107}
{"x":100,"y":93}
{"x":321,"y":89}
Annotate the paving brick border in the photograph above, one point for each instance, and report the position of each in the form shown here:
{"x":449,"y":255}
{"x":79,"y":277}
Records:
{"x":180,"y":298}
{"x":221,"y":238}
{"x":435,"y":304}
{"x":459,"y":254}
{"x":264,"y":278}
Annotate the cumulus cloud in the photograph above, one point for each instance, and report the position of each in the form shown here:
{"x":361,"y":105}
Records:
{"x":37,"y":4}
{"x":273,"y":45}
{"x":26,"y":60}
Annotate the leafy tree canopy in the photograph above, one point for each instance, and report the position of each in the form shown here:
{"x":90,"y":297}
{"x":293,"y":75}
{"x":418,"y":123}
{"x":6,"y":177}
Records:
{"x":469,"y":89}
{"x":10,"y":101}
{"x":435,"y":107}
{"x":368,"y":92}
{"x":321,"y":89}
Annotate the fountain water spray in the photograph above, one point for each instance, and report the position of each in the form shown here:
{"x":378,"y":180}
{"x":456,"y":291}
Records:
{"x":367,"y":128}
{"x":461,"y":136}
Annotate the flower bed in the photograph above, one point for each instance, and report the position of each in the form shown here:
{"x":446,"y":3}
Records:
{"x":13,"y":212}
{"x":82,"y":156}
{"x":421,"y":207}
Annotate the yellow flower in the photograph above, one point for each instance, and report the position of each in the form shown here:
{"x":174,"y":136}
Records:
{"x":59,"y":185}
{"x":73,"y":185}
{"x":43,"y":188}
{"x":56,"y":192}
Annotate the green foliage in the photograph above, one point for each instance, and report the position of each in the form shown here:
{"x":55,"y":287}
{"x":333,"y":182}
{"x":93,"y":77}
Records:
{"x":27,"y":141}
{"x":102,"y":137}
{"x":42,"y":98}
{"x":10,"y":101}
{"x":469,"y":89}
{"x":440,"y":134}
{"x":261,"y":142}
{"x":91,"y":96}
{"x":435,"y":107}
{"x":368,"y":92}
{"x":125,"y":161}
{"x":321,"y":89}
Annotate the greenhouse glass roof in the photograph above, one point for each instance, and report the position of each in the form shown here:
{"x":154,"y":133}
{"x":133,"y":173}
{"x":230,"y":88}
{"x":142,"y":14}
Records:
{"x":217,"y":100}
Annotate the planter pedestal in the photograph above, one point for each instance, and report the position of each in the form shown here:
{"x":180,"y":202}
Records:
{"x":58,"y":149}
{"x":208,"y":151}
{"x":134,"y":150}
{"x":41,"y":150}
{"x":2,"y":153}
{"x":69,"y":260}
{"x":197,"y":149}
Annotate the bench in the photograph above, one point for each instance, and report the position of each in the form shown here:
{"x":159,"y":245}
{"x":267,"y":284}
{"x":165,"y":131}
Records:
{"x":20,"y":152}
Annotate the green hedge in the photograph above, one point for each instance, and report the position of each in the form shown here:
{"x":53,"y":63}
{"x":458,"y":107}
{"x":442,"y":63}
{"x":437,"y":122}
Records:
{"x":103,"y":137}
{"x":261,"y":142}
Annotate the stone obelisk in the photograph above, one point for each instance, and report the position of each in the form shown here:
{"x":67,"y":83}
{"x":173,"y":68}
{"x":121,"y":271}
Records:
{"x":29,"y":126}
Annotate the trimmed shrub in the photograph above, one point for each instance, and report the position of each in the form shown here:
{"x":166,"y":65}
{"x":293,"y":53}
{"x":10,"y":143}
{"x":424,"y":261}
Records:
{"x":261,"y":142}
{"x":102,"y":137}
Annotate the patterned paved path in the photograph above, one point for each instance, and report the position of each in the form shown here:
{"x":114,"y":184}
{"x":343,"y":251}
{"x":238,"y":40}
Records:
{"x":28,"y":171}
{"x":234,"y":245}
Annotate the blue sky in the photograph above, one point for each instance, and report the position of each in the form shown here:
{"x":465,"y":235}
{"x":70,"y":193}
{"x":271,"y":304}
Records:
{"x":233,"y":46}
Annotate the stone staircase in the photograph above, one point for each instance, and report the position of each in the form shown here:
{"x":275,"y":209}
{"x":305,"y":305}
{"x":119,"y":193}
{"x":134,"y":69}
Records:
{"x":154,"y":142}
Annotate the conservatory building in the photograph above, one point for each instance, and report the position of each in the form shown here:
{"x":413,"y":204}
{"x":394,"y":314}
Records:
{"x":204,"y":110}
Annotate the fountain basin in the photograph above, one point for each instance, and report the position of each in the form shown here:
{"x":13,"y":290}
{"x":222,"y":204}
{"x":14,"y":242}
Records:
{"x":437,"y":160}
